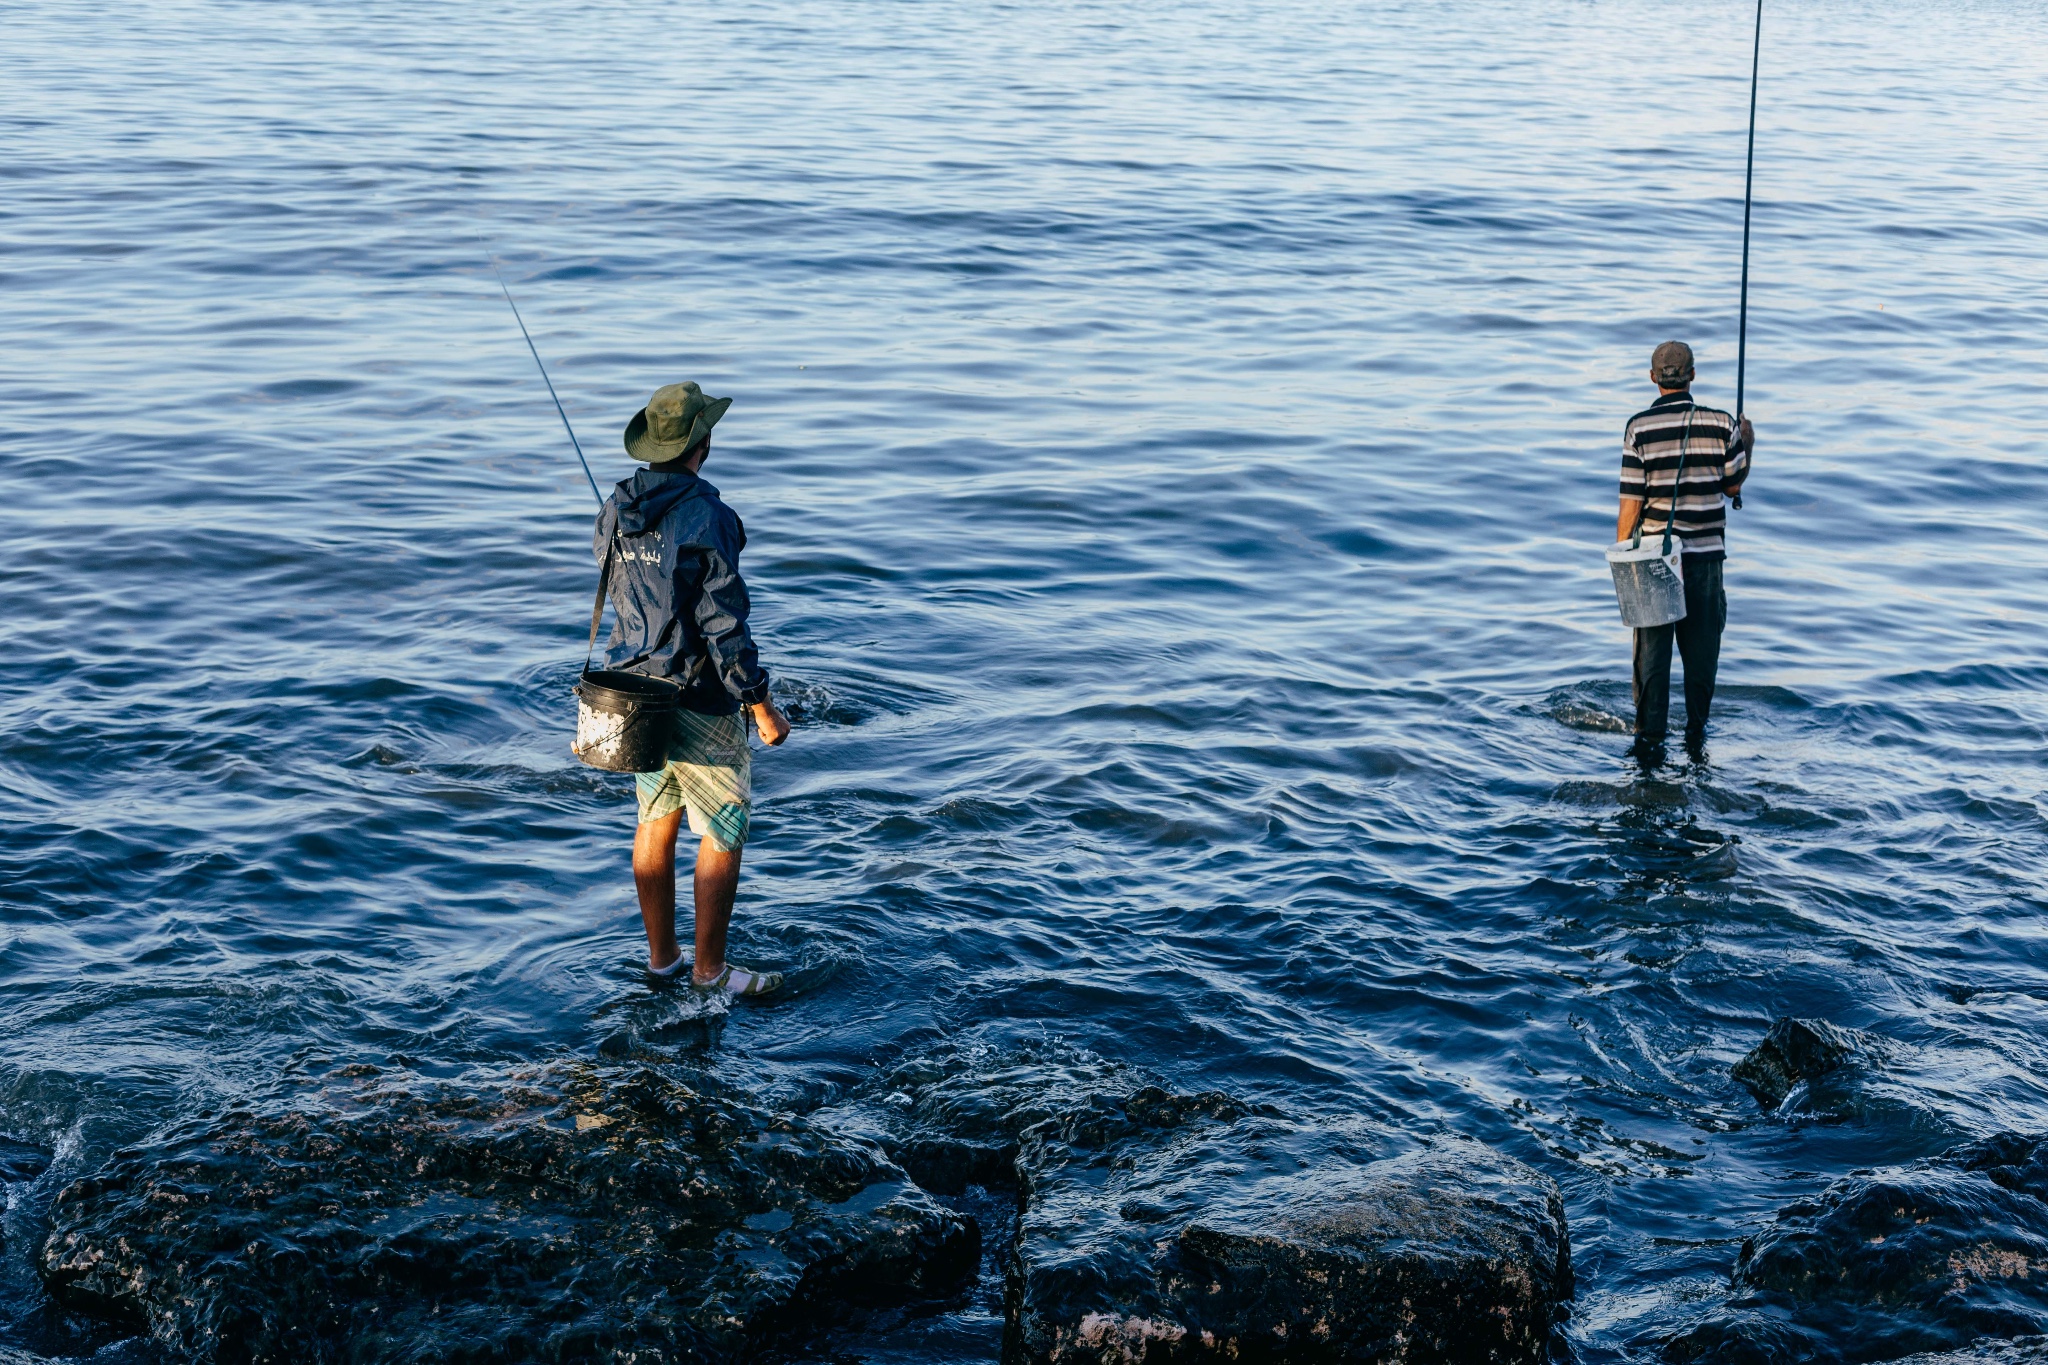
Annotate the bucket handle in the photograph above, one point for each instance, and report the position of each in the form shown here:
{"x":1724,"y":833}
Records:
{"x":1643,"y":512}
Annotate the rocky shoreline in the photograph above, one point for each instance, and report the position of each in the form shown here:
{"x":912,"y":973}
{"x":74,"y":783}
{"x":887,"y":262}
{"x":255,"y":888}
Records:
{"x":646,"y":1212}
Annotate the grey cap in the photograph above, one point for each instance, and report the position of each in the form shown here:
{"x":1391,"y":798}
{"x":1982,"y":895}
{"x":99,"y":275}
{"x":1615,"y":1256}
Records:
{"x":1671,"y":365}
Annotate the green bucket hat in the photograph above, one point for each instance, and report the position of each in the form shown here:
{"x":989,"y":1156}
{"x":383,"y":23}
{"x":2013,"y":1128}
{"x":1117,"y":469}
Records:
{"x":676,"y":418}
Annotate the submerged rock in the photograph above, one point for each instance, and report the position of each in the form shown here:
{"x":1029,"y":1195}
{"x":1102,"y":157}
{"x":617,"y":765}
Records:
{"x":661,"y":1026}
{"x":1807,"y":1070}
{"x":21,"y":1161}
{"x":562,"y":1212}
{"x":1759,"y":1339}
{"x":1181,"y":1228}
{"x":2019,"y":1351}
{"x":953,"y":1118}
{"x":1794,"y":1051}
{"x":1927,"y":1257}
{"x":1748,"y":1338}
{"x":134,"y":1351}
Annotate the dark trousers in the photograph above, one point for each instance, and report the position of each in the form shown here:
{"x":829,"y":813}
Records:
{"x":1699,"y":645}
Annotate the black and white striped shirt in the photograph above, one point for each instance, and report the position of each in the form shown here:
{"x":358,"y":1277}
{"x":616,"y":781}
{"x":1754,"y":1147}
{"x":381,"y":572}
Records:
{"x":1714,"y":463}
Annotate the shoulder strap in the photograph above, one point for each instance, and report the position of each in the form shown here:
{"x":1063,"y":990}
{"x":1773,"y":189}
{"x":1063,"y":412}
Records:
{"x":604,"y":579}
{"x":1643,"y":511}
{"x":1671,"y":520}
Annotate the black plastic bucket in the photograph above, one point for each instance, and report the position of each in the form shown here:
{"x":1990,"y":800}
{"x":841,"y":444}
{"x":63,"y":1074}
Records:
{"x":624,"y":720}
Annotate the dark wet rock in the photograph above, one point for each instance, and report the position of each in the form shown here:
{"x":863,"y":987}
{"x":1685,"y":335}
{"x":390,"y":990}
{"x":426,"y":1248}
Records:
{"x":1182,"y":1228}
{"x":949,"y":1165}
{"x":1927,"y":1257}
{"x":1156,"y":1226}
{"x":2019,"y":1351}
{"x":1961,"y":1239}
{"x":1794,"y":1051}
{"x":562,"y":1212}
{"x":21,"y":1161}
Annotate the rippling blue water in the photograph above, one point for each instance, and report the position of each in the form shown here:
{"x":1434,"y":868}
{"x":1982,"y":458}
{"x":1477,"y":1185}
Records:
{"x":1176,"y":444}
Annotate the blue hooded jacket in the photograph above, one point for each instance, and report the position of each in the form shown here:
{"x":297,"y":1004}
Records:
{"x":680,"y":605}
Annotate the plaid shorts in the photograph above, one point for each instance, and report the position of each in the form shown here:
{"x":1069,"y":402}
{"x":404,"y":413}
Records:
{"x":710,"y":774}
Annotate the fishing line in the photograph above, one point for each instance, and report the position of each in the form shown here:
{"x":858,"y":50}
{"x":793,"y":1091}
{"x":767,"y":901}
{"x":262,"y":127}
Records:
{"x":551,"y":383}
{"x":1748,"y":182}
{"x":623,"y":720}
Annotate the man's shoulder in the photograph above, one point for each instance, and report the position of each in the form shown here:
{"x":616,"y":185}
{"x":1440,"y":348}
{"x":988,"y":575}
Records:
{"x":716,"y":507}
{"x":708,"y":515}
{"x":1676,"y":414}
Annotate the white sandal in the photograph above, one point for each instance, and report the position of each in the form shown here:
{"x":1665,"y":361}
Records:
{"x":741,"y":982}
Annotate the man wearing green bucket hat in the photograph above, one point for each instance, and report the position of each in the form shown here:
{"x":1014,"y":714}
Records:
{"x":1686,"y":457}
{"x":681,"y":612}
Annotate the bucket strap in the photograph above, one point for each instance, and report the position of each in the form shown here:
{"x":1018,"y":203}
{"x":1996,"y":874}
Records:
{"x":1643,"y":512}
{"x":604,"y":579}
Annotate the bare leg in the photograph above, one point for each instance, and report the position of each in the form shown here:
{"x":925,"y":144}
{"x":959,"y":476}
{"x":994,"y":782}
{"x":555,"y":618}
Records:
{"x":654,"y":876}
{"x":718,"y":881}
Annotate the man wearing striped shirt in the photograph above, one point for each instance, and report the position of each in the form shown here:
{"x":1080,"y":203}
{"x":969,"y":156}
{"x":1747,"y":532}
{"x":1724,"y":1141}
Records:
{"x":1678,"y":463}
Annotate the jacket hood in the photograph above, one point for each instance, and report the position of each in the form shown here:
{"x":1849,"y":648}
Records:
{"x":649,"y":496}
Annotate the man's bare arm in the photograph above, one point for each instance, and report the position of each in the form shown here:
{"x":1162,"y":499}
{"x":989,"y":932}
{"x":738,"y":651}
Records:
{"x":769,"y":720}
{"x":1625,"y":521}
{"x":1746,"y":438}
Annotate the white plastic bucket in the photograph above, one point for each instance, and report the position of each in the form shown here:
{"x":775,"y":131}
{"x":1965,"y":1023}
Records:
{"x":1648,"y":583}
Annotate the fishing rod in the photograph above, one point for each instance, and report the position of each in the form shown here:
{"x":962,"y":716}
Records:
{"x":551,"y":383}
{"x":1748,"y":184}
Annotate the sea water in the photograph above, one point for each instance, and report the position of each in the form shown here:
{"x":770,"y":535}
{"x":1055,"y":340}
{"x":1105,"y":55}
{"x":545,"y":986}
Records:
{"x":1176,"y":445}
